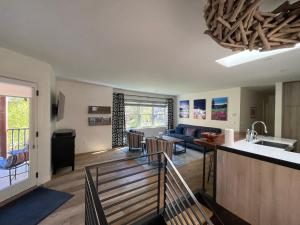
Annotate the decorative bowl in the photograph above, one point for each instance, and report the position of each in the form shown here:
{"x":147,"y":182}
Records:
{"x":210,"y":136}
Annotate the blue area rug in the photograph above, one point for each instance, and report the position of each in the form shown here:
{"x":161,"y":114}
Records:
{"x":33,"y":207}
{"x":178,"y":160}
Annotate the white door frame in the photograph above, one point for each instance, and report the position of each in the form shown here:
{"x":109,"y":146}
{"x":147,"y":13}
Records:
{"x":22,"y":186}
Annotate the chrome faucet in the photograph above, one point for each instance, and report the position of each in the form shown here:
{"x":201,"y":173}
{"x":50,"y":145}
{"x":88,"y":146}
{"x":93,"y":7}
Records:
{"x":252,"y":134}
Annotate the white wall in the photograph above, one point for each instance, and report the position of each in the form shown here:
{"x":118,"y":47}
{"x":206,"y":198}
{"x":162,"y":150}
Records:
{"x":53,"y":101}
{"x":233,"y":94}
{"x":78,"y":97}
{"x":17,"y":66}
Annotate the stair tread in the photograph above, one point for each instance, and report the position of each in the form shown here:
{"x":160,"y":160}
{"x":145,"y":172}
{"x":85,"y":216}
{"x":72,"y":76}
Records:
{"x":208,"y":213}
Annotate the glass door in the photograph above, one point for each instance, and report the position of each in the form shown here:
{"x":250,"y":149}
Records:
{"x":18,"y":148}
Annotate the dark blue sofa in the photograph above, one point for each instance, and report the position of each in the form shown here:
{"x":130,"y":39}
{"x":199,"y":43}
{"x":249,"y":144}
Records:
{"x":181,"y":130}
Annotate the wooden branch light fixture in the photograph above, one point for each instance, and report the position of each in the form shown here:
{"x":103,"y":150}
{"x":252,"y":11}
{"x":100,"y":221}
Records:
{"x":241,"y":25}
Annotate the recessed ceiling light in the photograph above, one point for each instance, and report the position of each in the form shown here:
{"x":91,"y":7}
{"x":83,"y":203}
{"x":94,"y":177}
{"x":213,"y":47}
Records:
{"x":249,"y":56}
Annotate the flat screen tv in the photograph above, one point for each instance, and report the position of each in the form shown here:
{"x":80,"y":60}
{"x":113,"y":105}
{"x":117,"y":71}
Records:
{"x":60,"y":106}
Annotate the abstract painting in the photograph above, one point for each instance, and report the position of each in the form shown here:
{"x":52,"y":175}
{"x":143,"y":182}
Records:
{"x":184,"y":109}
{"x":200,"y":109}
{"x":219,"y":108}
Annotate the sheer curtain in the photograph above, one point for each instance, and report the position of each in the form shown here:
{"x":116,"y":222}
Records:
{"x":118,"y":120}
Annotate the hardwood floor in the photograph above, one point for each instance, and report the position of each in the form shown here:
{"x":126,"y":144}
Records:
{"x":72,"y":212}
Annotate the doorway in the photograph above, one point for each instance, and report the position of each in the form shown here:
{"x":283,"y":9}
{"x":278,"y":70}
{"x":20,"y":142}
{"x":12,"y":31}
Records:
{"x":258,"y":103}
{"x":18,"y":149}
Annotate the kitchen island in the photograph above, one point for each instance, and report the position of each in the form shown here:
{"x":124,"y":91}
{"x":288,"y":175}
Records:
{"x":259,"y":183}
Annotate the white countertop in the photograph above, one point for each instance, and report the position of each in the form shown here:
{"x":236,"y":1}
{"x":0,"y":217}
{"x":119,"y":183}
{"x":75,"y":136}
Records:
{"x":271,"y":152}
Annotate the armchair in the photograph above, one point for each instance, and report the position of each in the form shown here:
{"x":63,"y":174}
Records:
{"x":151,"y":146}
{"x":134,"y":140}
{"x":166,"y":147}
{"x":154,"y":145}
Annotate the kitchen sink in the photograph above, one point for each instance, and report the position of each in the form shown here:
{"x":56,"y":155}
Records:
{"x":273,"y":144}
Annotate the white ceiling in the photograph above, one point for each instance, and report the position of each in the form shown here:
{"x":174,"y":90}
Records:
{"x":145,"y":45}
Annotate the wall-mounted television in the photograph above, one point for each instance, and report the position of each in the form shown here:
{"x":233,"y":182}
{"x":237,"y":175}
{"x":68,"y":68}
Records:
{"x":58,"y":109}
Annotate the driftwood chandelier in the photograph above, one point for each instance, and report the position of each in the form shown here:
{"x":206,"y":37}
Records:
{"x":240,"y":25}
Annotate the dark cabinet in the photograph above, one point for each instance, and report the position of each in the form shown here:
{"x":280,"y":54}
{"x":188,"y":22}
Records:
{"x":63,"y":149}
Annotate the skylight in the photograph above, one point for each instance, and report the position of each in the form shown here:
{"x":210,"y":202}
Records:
{"x":249,"y":56}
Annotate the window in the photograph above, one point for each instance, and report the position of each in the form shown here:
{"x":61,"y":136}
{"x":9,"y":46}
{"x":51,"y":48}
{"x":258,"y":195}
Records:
{"x":145,"y":114}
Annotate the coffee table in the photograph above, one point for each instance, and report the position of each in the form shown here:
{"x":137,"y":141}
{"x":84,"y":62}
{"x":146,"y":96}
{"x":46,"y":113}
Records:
{"x":175,"y":141}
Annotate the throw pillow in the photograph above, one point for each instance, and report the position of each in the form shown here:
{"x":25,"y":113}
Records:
{"x":198,"y":133}
{"x":179,"y":130}
{"x":189,"y":131}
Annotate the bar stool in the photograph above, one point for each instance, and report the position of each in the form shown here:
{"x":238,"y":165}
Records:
{"x":211,"y":167}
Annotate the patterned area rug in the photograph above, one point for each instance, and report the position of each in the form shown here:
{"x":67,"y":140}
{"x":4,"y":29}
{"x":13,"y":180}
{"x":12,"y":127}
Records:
{"x":178,"y":160}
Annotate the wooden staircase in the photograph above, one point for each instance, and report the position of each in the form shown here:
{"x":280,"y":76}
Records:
{"x":187,"y":216}
{"x":132,"y":191}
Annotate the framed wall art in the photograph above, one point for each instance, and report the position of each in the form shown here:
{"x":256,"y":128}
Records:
{"x":219,"y":108}
{"x":200,"y":109}
{"x":184,"y":109}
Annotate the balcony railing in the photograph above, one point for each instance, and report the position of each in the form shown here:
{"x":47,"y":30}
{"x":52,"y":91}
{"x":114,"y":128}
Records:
{"x":15,"y":156}
{"x":17,"y":138}
{"x":132,"y":190}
